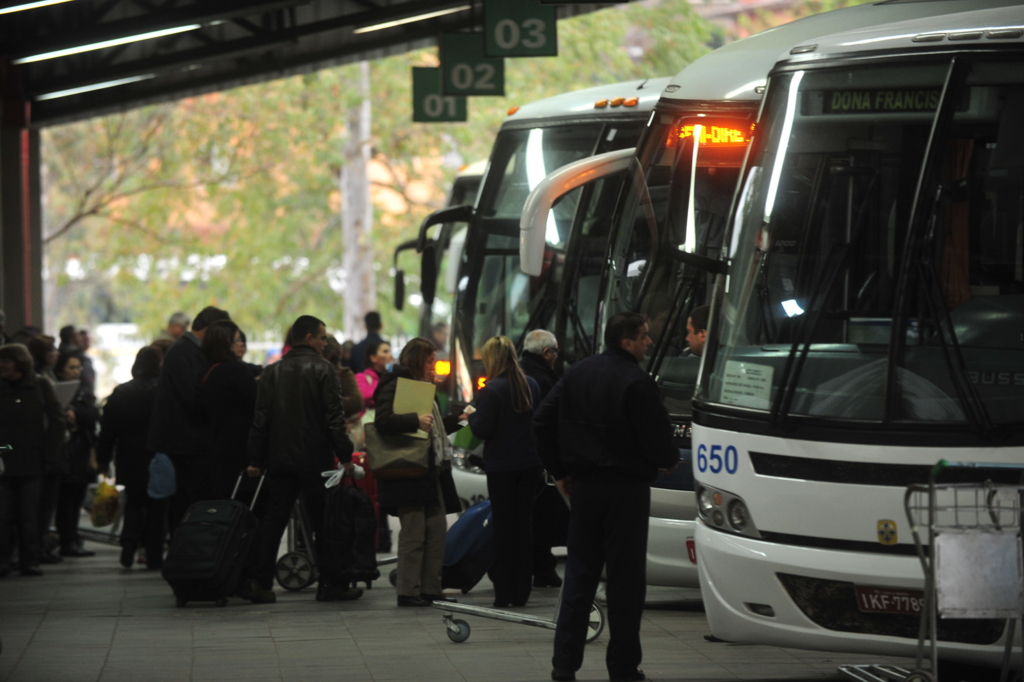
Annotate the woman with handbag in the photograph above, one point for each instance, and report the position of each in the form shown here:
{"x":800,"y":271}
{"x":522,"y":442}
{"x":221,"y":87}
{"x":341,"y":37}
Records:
{"x":421,"y":503}
{"x":502,"y":420}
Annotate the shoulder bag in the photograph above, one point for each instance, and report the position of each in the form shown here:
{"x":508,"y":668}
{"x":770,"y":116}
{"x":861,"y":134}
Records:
{"x":397,"y":457}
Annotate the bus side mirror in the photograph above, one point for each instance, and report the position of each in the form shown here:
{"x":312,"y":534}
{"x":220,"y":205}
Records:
{"x":537,"y":210}
{"x":428,"y":273}
{"x":715,"y":267}
{"x":399,"y":290}
{"x":452,"y":214}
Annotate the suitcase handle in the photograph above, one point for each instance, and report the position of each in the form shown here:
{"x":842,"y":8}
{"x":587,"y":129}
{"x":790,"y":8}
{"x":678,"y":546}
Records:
{"x":238,"y":483}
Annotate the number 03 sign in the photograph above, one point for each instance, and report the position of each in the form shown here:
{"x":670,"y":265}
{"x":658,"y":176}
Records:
{"x":520,"y":28}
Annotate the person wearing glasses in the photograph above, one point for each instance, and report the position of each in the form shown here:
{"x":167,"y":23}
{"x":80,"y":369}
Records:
{"x":550,"y":514}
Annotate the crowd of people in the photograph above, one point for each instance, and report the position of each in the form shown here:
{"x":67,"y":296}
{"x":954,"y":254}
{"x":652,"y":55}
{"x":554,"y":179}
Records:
{"x":196,"y":418}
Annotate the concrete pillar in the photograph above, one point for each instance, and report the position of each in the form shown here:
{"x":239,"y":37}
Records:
{"x":21,"y":244}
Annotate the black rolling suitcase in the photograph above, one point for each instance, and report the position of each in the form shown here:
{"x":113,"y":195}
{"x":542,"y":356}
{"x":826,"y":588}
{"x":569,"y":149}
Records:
{"x":209,"y":549}
{"x":349,"y":553}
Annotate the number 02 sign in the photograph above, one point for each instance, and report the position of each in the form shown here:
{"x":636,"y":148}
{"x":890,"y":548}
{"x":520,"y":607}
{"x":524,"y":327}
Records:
{"x":520,"y":28}
{"x":428,"y":104}
{"x":466,"y":70}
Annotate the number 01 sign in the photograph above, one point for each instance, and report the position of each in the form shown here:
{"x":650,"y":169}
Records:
{"x":466,"y":70}
{"x":428,"y":104}
{"x":520,"y":28}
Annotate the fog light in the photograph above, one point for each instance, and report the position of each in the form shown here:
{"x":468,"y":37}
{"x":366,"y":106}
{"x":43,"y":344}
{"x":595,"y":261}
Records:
{"x":717,"y":499}
{"x":718,"y":518}
{"x":704,"y":501}
{"x":762,"y":610}
{"x":739,"y":516}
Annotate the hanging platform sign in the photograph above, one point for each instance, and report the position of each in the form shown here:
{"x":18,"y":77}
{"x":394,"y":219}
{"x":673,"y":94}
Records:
{"x":466,"y":69}
{"x":429,"y":104}
{"x":520,"y":28}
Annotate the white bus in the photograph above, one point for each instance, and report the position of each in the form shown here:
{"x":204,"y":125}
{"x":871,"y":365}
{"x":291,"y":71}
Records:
{"x":667,"y":230}
{"x":869,"y":325}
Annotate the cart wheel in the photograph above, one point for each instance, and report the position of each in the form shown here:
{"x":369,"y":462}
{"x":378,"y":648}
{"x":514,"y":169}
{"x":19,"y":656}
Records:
{"x":595,"y":626}
{"x":393,"y":577}
{"x":222,"y":602}
{"x":920,"y":676}
{"x":182,"y":603}
{"x":458,"y":630}
{"x":295,"y":571}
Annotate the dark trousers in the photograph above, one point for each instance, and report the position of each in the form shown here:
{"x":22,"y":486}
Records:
{"x":19,"y":504}
{"x":194,"y":482}
{"x":608,"y":528}
{"x":47,"y":509}
{"x":550,"y":528}
{"x":70,"y":498}
{"x":282,"y":490}
{"x":145,"y":523}
{"x":511,"y":494}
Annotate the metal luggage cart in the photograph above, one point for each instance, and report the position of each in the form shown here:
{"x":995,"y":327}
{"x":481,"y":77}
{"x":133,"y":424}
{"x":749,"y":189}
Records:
{"x":972,"y":561}
{"x":296,"y":569}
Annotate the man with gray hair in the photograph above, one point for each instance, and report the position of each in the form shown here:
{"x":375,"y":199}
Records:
{"x":178,"y":325}
{"x":550,"y":515}
{"x":540,"y":350}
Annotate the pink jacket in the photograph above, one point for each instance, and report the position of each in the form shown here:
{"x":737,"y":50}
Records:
{"x":368,"y":381}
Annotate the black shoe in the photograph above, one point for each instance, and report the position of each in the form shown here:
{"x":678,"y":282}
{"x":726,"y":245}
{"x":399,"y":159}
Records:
{"x":412,"y":601}
{"x":337,"y":593}
{"x":634,"y":676}
{"x":502,"y":604}
{"x":256,"y":593}
{"x":438,"y":597}
{"x":32,"y":571}
{"x":547,"y":579}
{"x":128,"y":554}
{"x":562,"y":675}
{"x":50,"y":558}
{"x":76,"y":552}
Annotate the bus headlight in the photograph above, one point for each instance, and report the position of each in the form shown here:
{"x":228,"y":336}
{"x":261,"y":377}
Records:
{"x":704,"y":503}
{"x":725,"y":511}
{"x":739,"y":516}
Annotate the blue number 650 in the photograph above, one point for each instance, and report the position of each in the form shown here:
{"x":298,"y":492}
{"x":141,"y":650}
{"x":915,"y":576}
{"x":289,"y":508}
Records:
{"x":715,"y":461}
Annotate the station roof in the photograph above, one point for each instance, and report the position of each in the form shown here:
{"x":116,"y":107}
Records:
{"x":81,"y":58}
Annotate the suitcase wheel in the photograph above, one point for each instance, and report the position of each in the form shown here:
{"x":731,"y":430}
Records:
{"x":223,"y":601}
{"x":595,"y":624}
{"x":295,"y":571}
{"x":182,"y":602}
{"x":393,"y":577}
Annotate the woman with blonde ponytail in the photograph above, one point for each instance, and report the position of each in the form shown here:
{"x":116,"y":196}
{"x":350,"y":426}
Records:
{"x":504,"y":411}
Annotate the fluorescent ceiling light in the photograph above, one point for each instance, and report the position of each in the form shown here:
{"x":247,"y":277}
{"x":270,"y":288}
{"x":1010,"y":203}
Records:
{"x":792,"y":308}
{"x":106,"y":43}
{"x":409,"y":20}
{"x":95,"y":86}
{"x":31,"y":5}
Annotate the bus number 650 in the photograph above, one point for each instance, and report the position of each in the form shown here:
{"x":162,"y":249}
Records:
{"x":716,"y":460}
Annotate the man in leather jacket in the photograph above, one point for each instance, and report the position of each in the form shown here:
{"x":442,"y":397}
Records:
{"x":298,"y":428}
{"x":604,"y":434}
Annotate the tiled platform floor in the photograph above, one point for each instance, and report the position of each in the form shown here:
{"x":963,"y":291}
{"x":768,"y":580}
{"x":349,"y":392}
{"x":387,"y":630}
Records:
{"x":88,"y":619}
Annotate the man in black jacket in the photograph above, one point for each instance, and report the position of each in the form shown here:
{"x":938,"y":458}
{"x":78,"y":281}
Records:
{"x":179,"y":421}
{"x":550,"y":515}
{"x":604,"y":435}
{"x":299,"y":426}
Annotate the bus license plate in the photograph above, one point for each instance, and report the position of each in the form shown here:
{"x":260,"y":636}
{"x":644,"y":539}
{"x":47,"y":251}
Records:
{"x":886,"y":600}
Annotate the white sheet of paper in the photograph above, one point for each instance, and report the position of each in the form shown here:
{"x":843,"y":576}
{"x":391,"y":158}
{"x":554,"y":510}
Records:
{"x":66,"y":391}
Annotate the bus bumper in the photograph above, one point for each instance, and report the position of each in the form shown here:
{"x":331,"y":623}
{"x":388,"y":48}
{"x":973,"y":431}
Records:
{"x":740,"y":575}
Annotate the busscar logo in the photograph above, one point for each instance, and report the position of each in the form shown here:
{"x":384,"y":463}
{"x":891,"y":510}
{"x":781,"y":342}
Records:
{"x":887,"y":534}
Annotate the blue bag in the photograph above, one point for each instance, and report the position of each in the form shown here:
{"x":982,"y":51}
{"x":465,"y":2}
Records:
{"x":469,"y":548}
{"x":162,"y":480}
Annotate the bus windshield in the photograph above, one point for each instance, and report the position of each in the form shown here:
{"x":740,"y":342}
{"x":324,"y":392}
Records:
{"x":676,"y":197}
{"x":495,"y":297}
{"x":845,"y":301}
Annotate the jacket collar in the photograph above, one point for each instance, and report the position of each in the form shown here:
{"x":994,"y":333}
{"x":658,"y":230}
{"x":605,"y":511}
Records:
{"x":537,"y":360}
{"x":193,"y":338}
{"x":302,"y":349}
{"x":620,"y":353}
